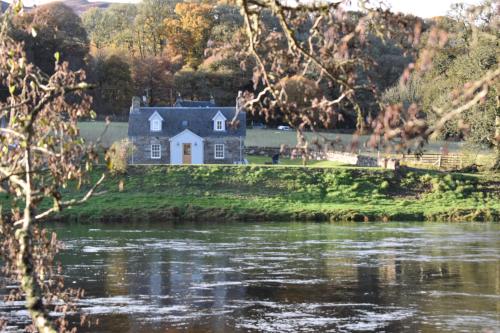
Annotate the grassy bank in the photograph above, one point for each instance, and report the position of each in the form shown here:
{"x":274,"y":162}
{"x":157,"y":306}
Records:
{"x":290,"y":193}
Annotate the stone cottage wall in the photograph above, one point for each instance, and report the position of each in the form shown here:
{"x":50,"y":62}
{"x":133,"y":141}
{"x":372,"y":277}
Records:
{"x":231,"y":150}
{"x":352,"y":159}
{"x":142,"y":150}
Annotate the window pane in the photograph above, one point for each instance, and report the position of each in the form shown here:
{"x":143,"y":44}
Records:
{"x":156,"y":125}
{"x":219,"y":125}
{"x":156,"y":151}
{"x":219,"y":151}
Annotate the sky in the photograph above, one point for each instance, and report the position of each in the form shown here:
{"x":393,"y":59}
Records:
{"x":426,"y":8}
{"x":422,"y":8}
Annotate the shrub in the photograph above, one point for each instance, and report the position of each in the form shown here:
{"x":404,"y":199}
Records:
{"x":118,"y":155}
{"x":384,"y":185}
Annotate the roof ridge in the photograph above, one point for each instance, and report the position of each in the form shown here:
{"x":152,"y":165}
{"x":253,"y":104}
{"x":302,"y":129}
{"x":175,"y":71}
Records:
{"x":188,"y":107}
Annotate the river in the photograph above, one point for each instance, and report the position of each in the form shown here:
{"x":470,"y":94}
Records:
{"x":283,"y":277}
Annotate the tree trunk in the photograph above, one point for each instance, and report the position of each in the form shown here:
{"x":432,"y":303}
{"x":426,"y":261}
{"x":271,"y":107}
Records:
{"x":29,"y":281}
{"x":496,"y":141}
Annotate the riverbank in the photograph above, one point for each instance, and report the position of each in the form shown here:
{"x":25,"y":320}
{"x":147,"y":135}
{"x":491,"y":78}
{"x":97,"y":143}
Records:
{"x":289,"y":193}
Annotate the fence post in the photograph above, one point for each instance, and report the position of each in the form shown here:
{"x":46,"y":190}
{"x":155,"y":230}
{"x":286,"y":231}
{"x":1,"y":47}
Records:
{"x":439,"y":161}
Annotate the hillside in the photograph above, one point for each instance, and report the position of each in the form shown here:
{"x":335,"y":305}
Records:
{"x":78,"y":6}
{"x":81,"y":6}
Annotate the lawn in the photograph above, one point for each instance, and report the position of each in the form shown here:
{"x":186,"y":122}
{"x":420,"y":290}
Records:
{"x":92,"y":130}
{"x":263,"y":160}
{"x":255,"y":137}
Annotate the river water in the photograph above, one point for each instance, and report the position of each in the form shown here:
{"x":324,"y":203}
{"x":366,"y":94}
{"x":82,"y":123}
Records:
{"x":284,"y":277}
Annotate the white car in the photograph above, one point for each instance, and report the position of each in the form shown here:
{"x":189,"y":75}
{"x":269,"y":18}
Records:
{"x":284,"y":128}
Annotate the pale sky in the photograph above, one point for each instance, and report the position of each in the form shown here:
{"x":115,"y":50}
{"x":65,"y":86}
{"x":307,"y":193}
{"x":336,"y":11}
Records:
{"x":426,"y":8}
{"x":422,"y":8}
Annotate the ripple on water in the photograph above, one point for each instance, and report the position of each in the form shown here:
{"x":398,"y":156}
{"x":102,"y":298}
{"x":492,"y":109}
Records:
{"x":276,"y":317}
{"x":267,"y":279}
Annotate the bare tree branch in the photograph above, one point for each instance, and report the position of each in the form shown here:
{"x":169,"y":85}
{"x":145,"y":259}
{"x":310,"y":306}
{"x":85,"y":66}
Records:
{"x":66,"y":204}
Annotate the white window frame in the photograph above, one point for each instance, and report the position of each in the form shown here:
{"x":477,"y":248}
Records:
{"x":155,"y":125}
{"x":216,"y":156}
{"x":219,"y":122}
{"x":155,"y":153}
{"x":219,"y":125}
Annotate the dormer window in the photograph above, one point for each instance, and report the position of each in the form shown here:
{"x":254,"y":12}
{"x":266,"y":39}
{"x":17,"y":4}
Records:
{"x":219,"y":125}
{"x":156,"y":125}
{"x":155,"y":122}
{"x":219,"y":122}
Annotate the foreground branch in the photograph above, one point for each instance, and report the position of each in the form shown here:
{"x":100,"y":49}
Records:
{"x":67,"y":204}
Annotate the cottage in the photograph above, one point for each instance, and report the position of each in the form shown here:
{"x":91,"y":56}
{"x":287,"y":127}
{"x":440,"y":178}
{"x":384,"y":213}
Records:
{"x":190,"y":132}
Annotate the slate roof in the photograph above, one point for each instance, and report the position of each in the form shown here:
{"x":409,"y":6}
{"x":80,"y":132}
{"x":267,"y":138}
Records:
{"x":3,"y":6}
{"x":194,"y":104}
{"x":199,"y":121}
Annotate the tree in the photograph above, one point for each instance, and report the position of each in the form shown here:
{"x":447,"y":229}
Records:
{"x":96,"y":24}
{"x":454,"y":70}
{"x":227,"y":21}
{"x":122,"y":16}
{"x":150,"y":28}
{"x":188,"y":33}
{"x":152,"y":77}
{"x":405,"y":94}
{"x":41,"y":154}
{"x":322,"y":42}
{"x":114,"y":87}
{"x":52,"y":28}
{"x":113,"y":26}
{"x":470,"y":54}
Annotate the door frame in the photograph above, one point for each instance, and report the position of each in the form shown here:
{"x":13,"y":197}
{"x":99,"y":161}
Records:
{"x":197,"y":147}
{"x":186,"y":157}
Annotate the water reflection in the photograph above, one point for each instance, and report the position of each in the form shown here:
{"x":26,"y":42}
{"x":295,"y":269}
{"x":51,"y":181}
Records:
{"x":285,"y":277}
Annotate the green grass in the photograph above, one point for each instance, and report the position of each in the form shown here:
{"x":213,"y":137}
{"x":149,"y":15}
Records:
{"x":219,"y":192}
{"x":255,"y":137}
{"x":265,"y":160}
{"x":92,"y":130}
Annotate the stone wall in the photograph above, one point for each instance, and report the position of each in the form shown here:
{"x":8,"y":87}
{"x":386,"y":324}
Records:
{"x":388,"y":163}
{"x":363,"y":160}
{"x":289,"y":152}
{"x":266,"y":151}
{"x":142,"y":150}
{"x":232,"y":152}
{"x":341,"y":157}
{"x":352,"y":159}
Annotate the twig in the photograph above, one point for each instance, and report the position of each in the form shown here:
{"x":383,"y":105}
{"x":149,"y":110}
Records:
{"x":9,"y":131}
{"x":10,"y":107}
{"x":67,"y":204}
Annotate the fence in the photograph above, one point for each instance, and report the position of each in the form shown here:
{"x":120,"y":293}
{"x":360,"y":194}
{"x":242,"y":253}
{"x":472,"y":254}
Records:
{"x":438,"y":161}
{"x":435,"y":161}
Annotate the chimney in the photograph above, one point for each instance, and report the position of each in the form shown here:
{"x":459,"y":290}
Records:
{"x":136,"y":105}
{"x":178,"y":100}
{"x":238,"y":101}
{"x":147,"y":97}
{"x":212,"y":99}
